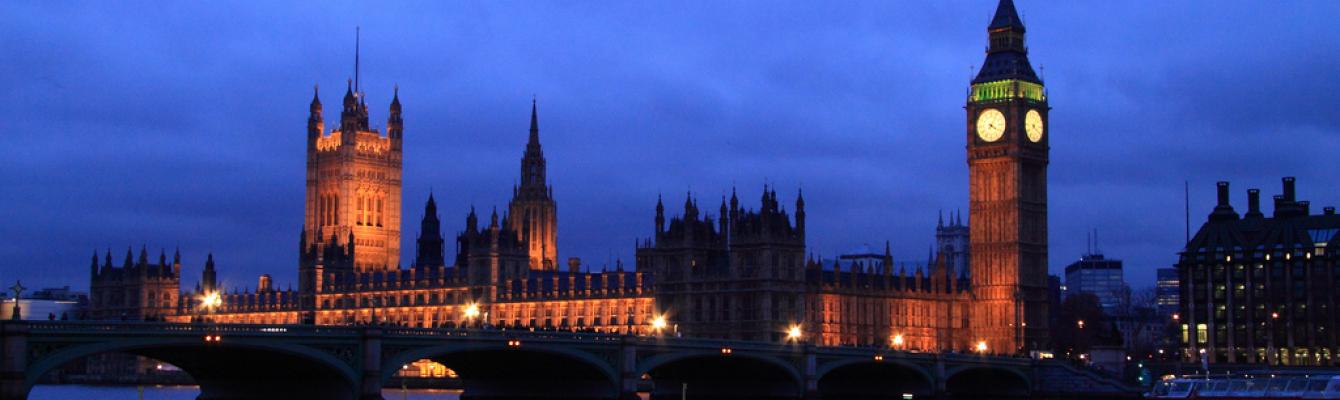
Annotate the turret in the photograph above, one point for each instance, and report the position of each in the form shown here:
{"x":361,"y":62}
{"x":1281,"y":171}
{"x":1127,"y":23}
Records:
{"x":208,"y":278}
{"x":723,"y":223}
{"x":734,"y":206}
{"x":394,"y":125}
{"x":660,"y":215}
{"x":351,"y":245}
{"x":176,"y":263}
{"x":107,"y":263}
{"x":690,"y":212}
{"x":1007,"y":56}
{"x":800,"y":213}
{"x":93,"y":271}
{"x":430,"y":244}
{"x":315,"y":122}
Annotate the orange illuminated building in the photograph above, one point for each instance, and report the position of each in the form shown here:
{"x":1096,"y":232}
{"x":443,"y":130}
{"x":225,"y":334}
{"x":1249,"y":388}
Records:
{"x":742,"y":273}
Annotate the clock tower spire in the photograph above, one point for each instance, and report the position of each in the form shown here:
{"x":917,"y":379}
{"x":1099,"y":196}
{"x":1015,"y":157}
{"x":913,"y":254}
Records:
{"x":1007,"y":149}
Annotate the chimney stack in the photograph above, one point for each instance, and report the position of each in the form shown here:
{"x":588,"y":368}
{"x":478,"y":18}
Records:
{"x":1288,"y":189}
{"x":1253,"y":204}
{"x":1223,"y":211}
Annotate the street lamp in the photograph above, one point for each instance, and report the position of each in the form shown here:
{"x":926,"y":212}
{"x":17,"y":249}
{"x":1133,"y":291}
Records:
{"x":1080,"y":323}
{"x":898,"y":340}
{"x":793,"y":333}
{"x":208,"y":302}
{"x":471,"y":312}
{"x":211,"y":300}
{"x":981,"y":346}
{"x":658,"y":324}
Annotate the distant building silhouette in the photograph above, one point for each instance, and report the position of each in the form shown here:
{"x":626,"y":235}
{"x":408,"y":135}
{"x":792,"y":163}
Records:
{"x":1260,"y":289}
{"x":1102,"y":277}
{"x":1166,"y":293}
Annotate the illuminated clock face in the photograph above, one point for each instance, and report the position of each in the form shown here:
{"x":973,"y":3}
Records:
{"x":1033,"y":124}
{"x":990,"y":125}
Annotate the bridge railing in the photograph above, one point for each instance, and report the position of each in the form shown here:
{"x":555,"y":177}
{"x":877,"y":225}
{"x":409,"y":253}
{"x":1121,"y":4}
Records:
{"x":160,"y":327}
{"x":97,"y":327}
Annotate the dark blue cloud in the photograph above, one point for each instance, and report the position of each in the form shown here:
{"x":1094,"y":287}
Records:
{"x":182,"y":124}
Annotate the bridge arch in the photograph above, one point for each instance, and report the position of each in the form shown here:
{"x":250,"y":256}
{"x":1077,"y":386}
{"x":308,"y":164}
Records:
{"x":230,"y":368}
{"x":711,"y":374}
{"x":971,"y":381}
{"x":496,"y":370}
{"x":866,"y":378}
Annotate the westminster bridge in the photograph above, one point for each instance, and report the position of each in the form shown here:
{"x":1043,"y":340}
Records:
{"x":354,"y":362}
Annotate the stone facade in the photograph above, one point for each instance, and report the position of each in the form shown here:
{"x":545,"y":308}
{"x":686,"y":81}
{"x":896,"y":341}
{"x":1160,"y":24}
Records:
{"x":353,"y":184}
{"x":138,"y":290}
{"x":741,"y":274}
{"x":1007,"y":167}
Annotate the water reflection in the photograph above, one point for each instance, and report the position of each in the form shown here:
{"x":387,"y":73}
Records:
{"x":65,"y":392}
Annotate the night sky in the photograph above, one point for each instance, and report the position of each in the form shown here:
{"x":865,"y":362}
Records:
{"x":183,"y":124}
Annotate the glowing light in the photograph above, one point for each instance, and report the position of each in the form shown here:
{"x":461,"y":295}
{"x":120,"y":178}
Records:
{"x":1273,"y":315}
{"x":1080,"y":323}
{"x":793,"y":333}
{"x":471,"y":311}
{"x":981,"y":346}
{"x":725,"y":351}
{"x":513,"y":343}
{"x":898,"y":340}
{"x":211,"y":300}
{"x":1177,"y":316}
{"x":659,"y":323}
{"x":879,"y":357}
{"x":213,"y":338}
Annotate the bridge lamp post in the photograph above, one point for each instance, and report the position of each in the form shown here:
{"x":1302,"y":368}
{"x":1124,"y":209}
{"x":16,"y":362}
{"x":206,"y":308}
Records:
{"x":659,"y":324}
{"x":897,"y":341}
{"x":794,"y":333}
{"x":210,"y":301}
{"x":981,"y":347}
{"x":1079,"y":336}
{"x":471,"y":312}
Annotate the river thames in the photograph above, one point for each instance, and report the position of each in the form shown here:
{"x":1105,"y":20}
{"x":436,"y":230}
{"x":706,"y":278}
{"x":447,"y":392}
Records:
{"x":67,"y":392}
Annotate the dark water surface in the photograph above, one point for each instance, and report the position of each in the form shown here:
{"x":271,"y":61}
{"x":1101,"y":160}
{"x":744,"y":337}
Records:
{"x":76,"y":392}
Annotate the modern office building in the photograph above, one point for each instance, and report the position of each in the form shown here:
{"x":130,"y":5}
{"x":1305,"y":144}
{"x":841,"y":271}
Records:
{"x":1100,"y":276}
{"x":1166,"y":292}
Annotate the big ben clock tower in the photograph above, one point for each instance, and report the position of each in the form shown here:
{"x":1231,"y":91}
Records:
{"x":1007,"y":147}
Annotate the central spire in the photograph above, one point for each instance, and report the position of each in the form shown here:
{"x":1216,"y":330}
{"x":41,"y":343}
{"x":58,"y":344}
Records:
{"x":1006,"y":54}
{"x":532,"y":161}
{"x":357,"y":39}
{"x":534,"y":125}
{"x":1006,"y":17}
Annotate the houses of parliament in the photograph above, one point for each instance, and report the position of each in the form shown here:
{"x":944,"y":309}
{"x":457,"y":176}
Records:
{"x":739,"y":270}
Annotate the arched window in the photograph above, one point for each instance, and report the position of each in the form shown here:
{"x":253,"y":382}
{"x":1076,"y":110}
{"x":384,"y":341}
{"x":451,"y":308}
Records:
{"x":362,"y":209}
{"x":380,"y":202}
